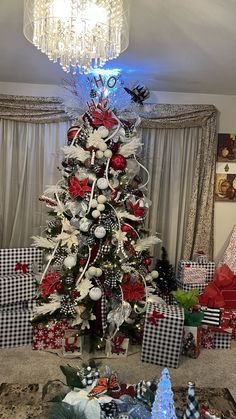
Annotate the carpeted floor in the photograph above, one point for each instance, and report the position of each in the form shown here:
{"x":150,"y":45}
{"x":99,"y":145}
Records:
{"x":213,"y":368}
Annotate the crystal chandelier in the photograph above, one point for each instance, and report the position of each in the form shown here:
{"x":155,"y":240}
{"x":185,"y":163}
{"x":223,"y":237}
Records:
{"x":80,"y":34}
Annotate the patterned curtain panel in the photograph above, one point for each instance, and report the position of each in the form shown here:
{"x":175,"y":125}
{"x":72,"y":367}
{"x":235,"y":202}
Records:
{"x":194,"y":231}
{"x":32,"y":109}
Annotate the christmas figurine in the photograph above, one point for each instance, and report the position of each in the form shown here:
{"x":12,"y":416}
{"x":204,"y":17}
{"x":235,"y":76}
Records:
{"x":192,"y":409}
{"x":163,"y":406}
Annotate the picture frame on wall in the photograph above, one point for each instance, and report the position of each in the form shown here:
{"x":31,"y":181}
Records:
{"x":226,"y":150}
{"x":225,"y":187}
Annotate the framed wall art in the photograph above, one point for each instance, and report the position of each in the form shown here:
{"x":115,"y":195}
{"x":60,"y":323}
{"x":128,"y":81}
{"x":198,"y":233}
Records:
{"x":225,"y":187}
{"x":226,"y":150}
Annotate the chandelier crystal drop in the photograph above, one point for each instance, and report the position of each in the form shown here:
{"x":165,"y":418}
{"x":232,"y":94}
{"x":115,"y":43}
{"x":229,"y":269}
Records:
{"x":80,"y":34}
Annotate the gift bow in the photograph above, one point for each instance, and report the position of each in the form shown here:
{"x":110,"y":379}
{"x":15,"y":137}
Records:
{"x":21,"y":267}
{"x":212,"y":297}
{"x":155,"y":316}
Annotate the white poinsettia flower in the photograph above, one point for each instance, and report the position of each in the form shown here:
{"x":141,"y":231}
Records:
{"x":43,"y":242}
{"x":83,"y":287}
{"x":68,"y":239}
{"x":95,"y":140}
{"x":120,"y":236}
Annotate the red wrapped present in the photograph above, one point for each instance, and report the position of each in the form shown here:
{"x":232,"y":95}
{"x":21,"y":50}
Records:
{"x":50,"y":335}
{"x":207,"y":338}
{"x":224,"y":279}
{"x":192,"y":341}
{"x":230,"y":298}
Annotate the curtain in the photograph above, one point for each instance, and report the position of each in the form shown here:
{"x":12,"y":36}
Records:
{"x":196,"y":229}
{"x":30,"y":156}
{"x":169,"y":155}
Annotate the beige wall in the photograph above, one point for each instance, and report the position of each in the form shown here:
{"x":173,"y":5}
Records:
{"x":225,"y":213}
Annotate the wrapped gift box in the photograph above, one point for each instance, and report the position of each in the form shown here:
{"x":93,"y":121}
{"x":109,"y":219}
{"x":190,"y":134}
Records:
{"x":207,"y":338}
{"x":72,"y":343}
{"x":222,"y":340}
{"x":9,"y":258}
{"x":189,"y":287}
{"x":216,"y":337}
{"x":16,"y":329}
{"x":195,"y":273}
{"x":50,"y":335}
{"x":163,"y":333}
{"x":192,"y":341}
{"x":211,"y":316}
{"x":230,"y":298}
{"x":117,"y":347}
{"x":17,"y":287}
{"x":229,"y":257}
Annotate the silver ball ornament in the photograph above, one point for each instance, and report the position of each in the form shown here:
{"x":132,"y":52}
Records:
{"x":102,"y":183}
{"x":100,"y":207}
{"x":101,"y":199}
{"x":154,"y":274}
{"x":99,"y":232}
{"x":70,"y":262}
{"x":96,"y":214}
{"x":95,"y":293}
{"x":92,"y":271}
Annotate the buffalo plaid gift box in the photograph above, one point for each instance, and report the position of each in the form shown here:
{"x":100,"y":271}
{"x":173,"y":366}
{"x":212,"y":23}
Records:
{"x":163,"y":332}
{"x":190,"y":287}
{"x":195,"y":273}
{"x":50,"y":335}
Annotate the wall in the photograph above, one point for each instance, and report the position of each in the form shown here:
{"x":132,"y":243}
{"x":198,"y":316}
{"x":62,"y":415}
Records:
{"x":225,"y":213}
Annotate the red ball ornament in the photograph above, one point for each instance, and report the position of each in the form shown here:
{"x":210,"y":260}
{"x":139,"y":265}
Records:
{"x":118,"y":162}
{"x":147,"y":261}
{"x":72,"y":132}
{"x":125,"y":228}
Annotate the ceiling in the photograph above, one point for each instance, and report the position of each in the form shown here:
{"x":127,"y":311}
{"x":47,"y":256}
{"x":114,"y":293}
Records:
{"x":175,"y":45}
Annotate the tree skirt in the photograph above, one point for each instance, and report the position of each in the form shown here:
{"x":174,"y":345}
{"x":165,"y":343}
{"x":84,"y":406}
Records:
{"x":25,"y":401}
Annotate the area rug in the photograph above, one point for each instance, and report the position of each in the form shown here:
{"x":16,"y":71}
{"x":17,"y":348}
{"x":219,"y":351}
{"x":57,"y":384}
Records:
{"x":25,"y":401}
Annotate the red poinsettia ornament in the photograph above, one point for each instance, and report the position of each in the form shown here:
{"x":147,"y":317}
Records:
{"x":50,"y":283}
{"x":137,"y":210}
{"x":104,"y":117}
{"x":133,"y":291}
{"x":78,"y":187}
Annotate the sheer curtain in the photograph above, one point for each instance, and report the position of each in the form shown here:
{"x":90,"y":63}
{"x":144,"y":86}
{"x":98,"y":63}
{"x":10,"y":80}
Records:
{"x":30,"y":155}
{"x":170,"y":156}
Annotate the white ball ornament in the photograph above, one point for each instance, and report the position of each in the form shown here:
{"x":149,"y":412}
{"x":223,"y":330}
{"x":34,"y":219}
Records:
{"x":149,"y":278}
{"x":92,"y":271}
{"x":94,"y":203}
{"x":101,"y":199}
{"x":96,"y":214}
{"x":100,"y":207}
{"x":99,"y":232}
{"x":98,"y":272}
{"x":84,"y":224}
{"x":102,"y":146}
{"x":99,"y":154}
{"x":95,"y":293}
{"x":108,"y":153}
{"x":103,"y":132}
{"x":69,"y":262}
{"x":154,"y":274}
{"x":102,"y":183}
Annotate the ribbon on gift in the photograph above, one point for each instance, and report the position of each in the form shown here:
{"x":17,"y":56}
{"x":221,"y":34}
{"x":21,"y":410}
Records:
{"x":155,"y":316}
{"x":220,"y":329}
{"x":21,"y":267}
{"x":117,"y":343}
{"x":224,"y":278}
{"x":226,"y":319}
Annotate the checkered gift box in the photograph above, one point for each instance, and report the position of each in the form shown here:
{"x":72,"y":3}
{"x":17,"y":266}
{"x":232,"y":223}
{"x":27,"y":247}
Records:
{"x":17,"y":287}
{"x":222,"y":340}
{"x":195,"y":273}
{"x":163,"y":333}
{"x":15,"y":326}
{"x":189,"y":287}
{"x":10,"y":257}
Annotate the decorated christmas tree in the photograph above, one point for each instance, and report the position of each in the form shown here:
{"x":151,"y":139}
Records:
{"x":163,"y":405}
{"x":97,"y":253}
{"x":166,"y":279}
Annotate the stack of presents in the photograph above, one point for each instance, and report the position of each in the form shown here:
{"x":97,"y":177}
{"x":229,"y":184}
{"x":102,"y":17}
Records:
{"x":210,"y":323}
{"x":168,"y":331}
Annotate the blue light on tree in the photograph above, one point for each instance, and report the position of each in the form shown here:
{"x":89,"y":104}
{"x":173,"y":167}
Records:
{"x":163,"y":406}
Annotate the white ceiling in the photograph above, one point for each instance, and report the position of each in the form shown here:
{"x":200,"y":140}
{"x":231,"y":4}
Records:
{"x":175,"y":45}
